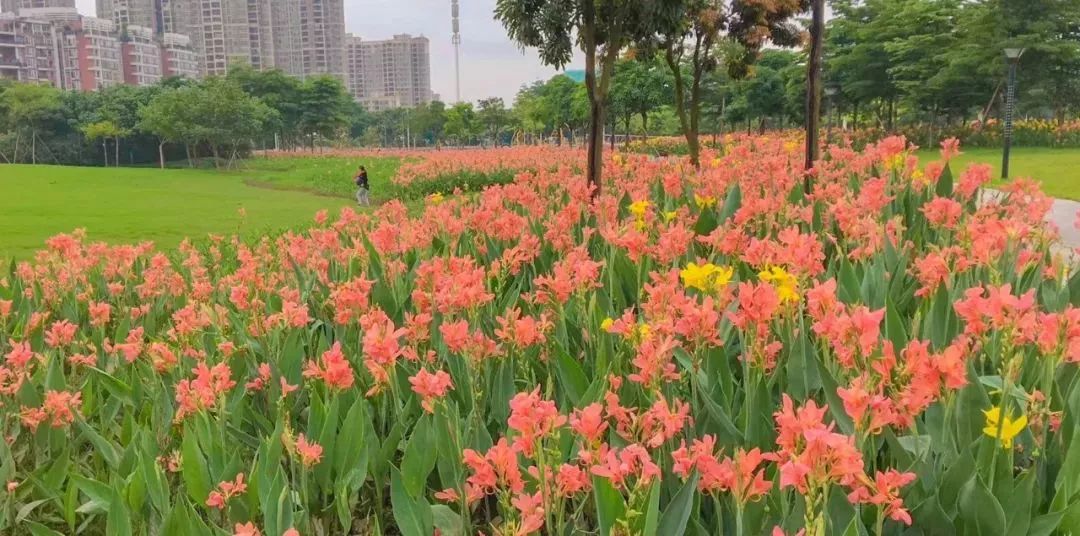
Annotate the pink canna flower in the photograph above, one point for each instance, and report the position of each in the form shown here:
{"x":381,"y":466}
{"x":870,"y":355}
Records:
{"x":430,"y":387}
{"x":203,"y":392}
{"x":225,"y":491}
{"x":571,"y":480}
{"x":246,"y":529}
{"x":589,"y":423}
{"x":60,"y":333}
{"x":332,"y":368}
{"x":99,"y":313}
{"x":522,"y":332}
{"x":310,"y":452}
{"x":883,"y":491}
{"x":533,"y":419}
{"x":59,"y":409}
{"x":260,"y":382}
{"x":943,"y":212}
{"x":531,"y":510}
{"x":20,"y":355}
{"x":455,"y":335}
{"x":619,"y":465}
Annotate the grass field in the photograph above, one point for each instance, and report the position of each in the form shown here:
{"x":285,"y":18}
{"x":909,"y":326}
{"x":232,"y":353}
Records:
{"x":122,"y":205}
{"x":1057,"y":169}
{"x":324,"y":175}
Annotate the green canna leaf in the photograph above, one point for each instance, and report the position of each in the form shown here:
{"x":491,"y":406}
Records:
{"x":677,"y":513}
{"x":194,"y":470}
{"x":980,"y":510}
{"x":419,"y":457}
{"x":413,"y":515}
{"x":610,"y":506}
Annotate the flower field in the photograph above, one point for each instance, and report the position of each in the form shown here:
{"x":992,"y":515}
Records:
{"x":689,"y":352}
{"x":425,"y":172}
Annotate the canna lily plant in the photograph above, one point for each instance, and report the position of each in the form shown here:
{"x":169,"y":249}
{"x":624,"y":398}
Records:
{"x":694,"y":351}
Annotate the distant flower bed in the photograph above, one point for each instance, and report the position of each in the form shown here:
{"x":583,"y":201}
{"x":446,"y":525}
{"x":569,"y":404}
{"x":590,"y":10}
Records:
{"x":424,"y":172}
{"x":1026,"y":133}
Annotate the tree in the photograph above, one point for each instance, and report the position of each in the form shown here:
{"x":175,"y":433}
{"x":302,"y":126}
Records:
{"x":167,"y":117}
{"x":104,"y":130}
{"x":494,"y":116}
{"x":813,"y":86}
{"x":461,"y":123}
{"x":279,"y":91}
{"x":689,"y":32}
{"x":324,"y":107}
{"x":427,"y":121}
{"x":601,"y":28}
{"x":30,"y":107}
{"x":640,"y":86}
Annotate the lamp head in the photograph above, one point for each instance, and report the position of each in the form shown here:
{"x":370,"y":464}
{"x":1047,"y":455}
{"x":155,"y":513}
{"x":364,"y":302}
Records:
{"x":1014,"y":54}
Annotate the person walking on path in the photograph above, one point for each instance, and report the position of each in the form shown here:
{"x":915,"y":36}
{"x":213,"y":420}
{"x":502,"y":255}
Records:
{"x":362,"y":187}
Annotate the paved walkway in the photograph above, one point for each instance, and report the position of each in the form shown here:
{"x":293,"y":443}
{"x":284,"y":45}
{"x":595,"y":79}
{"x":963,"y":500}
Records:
{"x":1063,"y":214}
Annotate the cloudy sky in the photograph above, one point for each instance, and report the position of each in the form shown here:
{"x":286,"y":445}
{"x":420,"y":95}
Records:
{"x":490,"y":64}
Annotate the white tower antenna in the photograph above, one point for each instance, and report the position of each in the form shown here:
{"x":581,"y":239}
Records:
{"x":456,"y":40}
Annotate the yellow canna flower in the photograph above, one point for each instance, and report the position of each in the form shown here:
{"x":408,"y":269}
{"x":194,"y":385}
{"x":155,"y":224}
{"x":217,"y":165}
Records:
{"x":786,"y":285}
{"x":644,"y":331}
{"x":670,"y":215}
{"x":707,"y":277}
{"x":699,"y":277}
{"x":722,"y":276}
{"x":436,"y":198}
{"x":1008,"y":430}
{"x":638,"y":208}
{"x":704,"y":202}
{"x":606,"y":324}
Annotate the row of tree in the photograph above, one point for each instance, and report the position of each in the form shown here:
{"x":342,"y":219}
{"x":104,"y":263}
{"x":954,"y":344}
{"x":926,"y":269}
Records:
{"x":222,"y":118}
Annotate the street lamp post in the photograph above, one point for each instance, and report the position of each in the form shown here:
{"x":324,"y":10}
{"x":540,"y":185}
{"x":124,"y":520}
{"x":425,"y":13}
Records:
{"x":1012,"y":56}
{"x":830,"y":104}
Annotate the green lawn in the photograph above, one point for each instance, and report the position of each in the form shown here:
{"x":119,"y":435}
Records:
{"x":325,"y":175}
{"x":122,"y":205}
{"x":1057,"y":169}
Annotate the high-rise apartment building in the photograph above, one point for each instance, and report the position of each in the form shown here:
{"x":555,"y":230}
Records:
{"x":140,"y":55}
{"x":90,"y":52}
{"x":300,"y":37}
{"x":28,"y":50}
{"x":390,"y":73}
{"x":126,"y":13}
{"x":354,"y":65}
{"x":322,"y":37}
{"x":14,"y":6}
{"x":177,"y":56}
{"x":69,"y":51}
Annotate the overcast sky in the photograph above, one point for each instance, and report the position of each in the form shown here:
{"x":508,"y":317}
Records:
{"x":490,"y":64}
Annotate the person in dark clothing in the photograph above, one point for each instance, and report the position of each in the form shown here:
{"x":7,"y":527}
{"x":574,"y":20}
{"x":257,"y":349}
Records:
{"x":362,"y":187}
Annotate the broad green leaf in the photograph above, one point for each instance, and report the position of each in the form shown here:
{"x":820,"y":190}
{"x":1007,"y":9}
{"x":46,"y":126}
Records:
{"x":980,"y":510}
{"x":610,"y":506}
{"x":678,"y":511}
{"x":419,"y":457}
{"x":413,"y":516}
{"x":194,"y":470}
{"x":447,"y":521}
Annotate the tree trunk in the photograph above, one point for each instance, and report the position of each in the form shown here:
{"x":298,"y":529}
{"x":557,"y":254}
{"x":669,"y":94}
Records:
{"x":161,"y":154}
{"x":33,"y":147}
{"x":645,"y":125}
{"x":105,"y":150}
{"x":813,"y":88}
{"x":680,"y":102}
{"x":626,"y":142}
{"x":116,"y":152}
